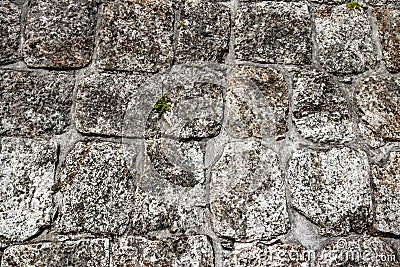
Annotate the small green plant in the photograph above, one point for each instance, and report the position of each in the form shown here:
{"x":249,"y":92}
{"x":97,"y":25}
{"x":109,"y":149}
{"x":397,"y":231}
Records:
{"x":163,"y":104}
{"x":181,"y":25}
{"x":353,"y":6}
{"x":297,"y":74}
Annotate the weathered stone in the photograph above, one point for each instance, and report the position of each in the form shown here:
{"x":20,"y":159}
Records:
{"x":320,"y":110}
{"x":195,"y":106}
{"x":260,"y":254}
{"x":203,"y":32}
{"x":357,"y":251}
{"x":332,"y":189}
{"x":136,"y":35}
{"x":102,"y":100}
{"x":257,"y":103}
{"x":387,"y":194}
{"x":389,"y":31}
{"x":160,"y":207}
{"x":32,"y":103}
{"x":10,"y":31}
{"x":247,"y":195}
{"x":85,"y":252}
{"x":26,"y":178}
{"x":59,"y":34}
{"x":97,"y":187}
{"x":344,"y":40}
{"x":172,"y":251}
{"x":180,"y":163}
{"x":273,"y":32}
{"x":378,"y":104}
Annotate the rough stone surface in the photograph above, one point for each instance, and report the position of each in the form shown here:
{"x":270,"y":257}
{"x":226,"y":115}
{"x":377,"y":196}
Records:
{"x":378,"y":107}
{"x":273,"y":32}
{"x":387,"y":191}
{"x":97,"y":187}
{"x":344,"y":40}
{"x":26,"y":178}
{"x":85,"y":252}
{"x":10,"y":31}
{"x":389,"y":31}
{"x":59,"y":33}
{"x":180,"y":163}
{"x":159,"y":208}
{"x":320,"y":110}
{"x":204,"y":30}
{"x":174,"y":251}
{"x":357,"y":251}
{"x":102,"y":100}
{"x":257,"y":103}
{"x":196,"y":107}
{"x":33,"y":104}
{"x":332,"y":189}
{"x":259,"y":254}
{"x":247,"y":197}
{"x":136,"y":35}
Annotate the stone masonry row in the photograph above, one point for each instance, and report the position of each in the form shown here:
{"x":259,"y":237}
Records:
{"x":149,"y":36}
{"x":282,"y":149}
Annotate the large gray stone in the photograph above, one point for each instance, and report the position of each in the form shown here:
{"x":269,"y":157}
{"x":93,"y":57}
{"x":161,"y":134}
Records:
{"x":26,"y":178}
{"x":378,"y":105}
{"x":136,"y":35}
{"x":102,"y":100}
{"x":203,"y":32}
{"x":59,"y":33}
{"x":180,"y":163}
{"x":344,"y":40}
{"x":357,"y":251}
{"x":273,"y":32}
{"x":97,"y":186}
{"x":389,"y":31}
{"x":10,"y":31}
{"x":260,"y":254}
{"x":320,"y":110}
{"x":332,"y":189}
{"x":33,"y":104}
{"x":195,"y":104}
{"x":159,"y":207}
{"x":257,"y":103}
{"x":173,"y":251}
{"x":387,"y":194}
{"x":247,"y":193}
{"x":85,"y":252}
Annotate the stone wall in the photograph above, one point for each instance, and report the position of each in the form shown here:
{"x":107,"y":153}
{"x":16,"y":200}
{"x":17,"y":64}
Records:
{"x":199,"y":133}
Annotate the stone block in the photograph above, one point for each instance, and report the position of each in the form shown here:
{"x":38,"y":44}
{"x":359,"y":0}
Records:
{"x":247,"y":193}
{"x":257,"y":103}
{"x":85,"y":252}
{"x":136,"y":35}
{"x":10,"y":31}
{"x":26,"y":179}
{"x":378,"y":107}
{"x":389,"y":32}
{"x":203,"y":32}
{"x":33,"y":104}
{"x":172,"y":251}
{"x":97,"y":187}
{"x":387,"y":191}
{"x":332,"y":189}
{"x":59,"y":33}
{"x":344,"y":40}
{"x":321,"y":112}
{"x":273,"y":32}
{"x":102,"y":100}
